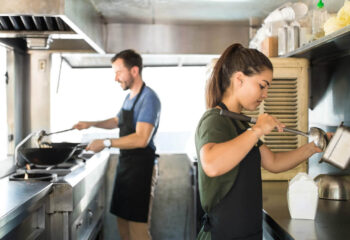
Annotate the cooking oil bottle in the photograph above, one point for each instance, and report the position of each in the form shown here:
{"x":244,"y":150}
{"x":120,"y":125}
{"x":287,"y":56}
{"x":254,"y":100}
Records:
{"x":319,"y":17}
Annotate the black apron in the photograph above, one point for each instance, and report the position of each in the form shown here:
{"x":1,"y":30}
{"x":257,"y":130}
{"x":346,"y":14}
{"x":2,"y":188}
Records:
{"x":239,"y":214}
{"x":132,"y":188}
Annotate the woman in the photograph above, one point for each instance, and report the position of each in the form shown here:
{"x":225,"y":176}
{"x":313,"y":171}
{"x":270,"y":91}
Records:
{"x":230,"y":153}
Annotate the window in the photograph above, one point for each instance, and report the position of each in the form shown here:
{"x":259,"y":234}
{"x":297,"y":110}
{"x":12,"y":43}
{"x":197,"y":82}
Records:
{"x":181,"y":92}
{"x":92,"y":94}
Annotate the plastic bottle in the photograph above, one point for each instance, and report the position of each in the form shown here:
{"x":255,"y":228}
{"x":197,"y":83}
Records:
{"x":319,"y":17}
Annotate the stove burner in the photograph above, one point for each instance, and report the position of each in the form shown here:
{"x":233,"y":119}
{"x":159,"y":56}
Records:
{"x":34,"y":177}
{"x":61,"y":170}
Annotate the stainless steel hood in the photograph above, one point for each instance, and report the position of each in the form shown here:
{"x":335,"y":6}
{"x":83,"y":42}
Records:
{"x":57,"y":25}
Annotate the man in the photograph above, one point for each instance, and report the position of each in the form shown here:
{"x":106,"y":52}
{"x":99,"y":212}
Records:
{"x":136,"y":172}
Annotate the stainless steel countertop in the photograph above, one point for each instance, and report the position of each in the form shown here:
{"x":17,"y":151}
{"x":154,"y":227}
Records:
{"x":18,"y":196}
{"x":332,"y":219}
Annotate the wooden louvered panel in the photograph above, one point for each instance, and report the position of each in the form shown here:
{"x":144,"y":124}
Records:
{"x":277,"y":103}
{"x":287,"y":101}
{"x":285,"y":95}
{"x":288,"y":137}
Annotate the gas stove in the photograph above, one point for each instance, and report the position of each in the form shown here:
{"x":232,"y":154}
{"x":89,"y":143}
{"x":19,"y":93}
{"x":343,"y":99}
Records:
{"x":61,"y":169}
{"x":32,"y":172}
{"x":74,"y":207}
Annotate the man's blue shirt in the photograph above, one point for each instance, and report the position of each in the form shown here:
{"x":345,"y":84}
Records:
{"x":147,"y":109}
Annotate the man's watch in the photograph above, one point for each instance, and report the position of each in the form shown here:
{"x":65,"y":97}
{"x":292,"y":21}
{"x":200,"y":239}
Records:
{"x":107,"y":143}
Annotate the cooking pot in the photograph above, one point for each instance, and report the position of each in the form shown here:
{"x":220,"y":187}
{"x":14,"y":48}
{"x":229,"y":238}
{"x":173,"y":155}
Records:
{"x":50,"y":155}
{"x":333,"y":187}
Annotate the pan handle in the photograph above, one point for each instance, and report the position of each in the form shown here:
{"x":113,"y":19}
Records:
{"x":81,"y":146}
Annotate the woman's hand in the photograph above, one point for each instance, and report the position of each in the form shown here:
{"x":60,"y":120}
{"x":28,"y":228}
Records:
{"x":316,"y":149}
{"x":329,"y":135}
{"x":266,"y":123}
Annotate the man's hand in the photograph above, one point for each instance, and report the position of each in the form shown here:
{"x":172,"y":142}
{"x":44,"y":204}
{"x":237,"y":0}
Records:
{"x":96,"y":146}
{"x":82,"y":125}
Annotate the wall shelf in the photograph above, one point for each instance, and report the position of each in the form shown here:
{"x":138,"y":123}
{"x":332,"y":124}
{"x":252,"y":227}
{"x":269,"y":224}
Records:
{"x":328,"y":48}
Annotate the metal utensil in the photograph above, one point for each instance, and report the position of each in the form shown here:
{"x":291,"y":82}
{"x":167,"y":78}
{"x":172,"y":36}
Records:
{"x":43,"y":133}
{"x":317,"y":135}
{"x":48,"y":134}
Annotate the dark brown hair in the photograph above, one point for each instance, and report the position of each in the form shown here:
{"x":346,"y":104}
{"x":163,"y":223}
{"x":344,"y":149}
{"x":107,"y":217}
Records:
{"x":130,"y":57}
{"x":235,"y":58}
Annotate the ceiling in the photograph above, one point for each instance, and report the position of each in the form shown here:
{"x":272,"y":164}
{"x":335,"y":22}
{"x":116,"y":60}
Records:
{"x":191,"y":11}
{"x":151,"y":26}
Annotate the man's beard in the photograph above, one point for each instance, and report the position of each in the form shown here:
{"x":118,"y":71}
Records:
{"x":129,"y":84}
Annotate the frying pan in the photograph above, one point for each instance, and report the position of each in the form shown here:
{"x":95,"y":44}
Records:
{"x":317,"y":135}
{"x":79,"y":149}
{"x":50,"y":156}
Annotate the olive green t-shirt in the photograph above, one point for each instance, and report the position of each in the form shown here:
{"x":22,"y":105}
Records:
{"x":215,"y":128}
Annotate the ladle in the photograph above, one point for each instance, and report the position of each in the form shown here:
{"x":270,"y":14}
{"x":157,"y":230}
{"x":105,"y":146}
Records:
{"x":317,"y":135}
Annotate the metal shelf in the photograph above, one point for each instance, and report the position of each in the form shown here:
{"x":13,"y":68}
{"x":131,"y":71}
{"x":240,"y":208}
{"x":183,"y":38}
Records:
{"x":330,"y":47}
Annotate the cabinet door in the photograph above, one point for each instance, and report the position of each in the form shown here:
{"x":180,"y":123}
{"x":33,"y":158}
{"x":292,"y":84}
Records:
{"x":288,"y":101}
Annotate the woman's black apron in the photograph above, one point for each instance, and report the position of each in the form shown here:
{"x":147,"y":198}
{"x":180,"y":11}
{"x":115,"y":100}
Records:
{"x":239,"y":214}
{"x":131,"y":195}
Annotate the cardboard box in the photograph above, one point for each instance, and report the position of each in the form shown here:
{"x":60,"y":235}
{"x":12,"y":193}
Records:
{"x":269,"y":47}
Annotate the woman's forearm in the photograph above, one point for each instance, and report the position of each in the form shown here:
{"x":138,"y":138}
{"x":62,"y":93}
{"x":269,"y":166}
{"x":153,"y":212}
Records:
{"x":219,"y":158}
{"x":284,"y":161}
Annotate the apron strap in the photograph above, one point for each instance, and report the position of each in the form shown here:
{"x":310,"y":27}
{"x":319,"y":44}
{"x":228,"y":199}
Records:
{"x":206,"y":223}
{"x":138,"y":96}
{"x":239,"y":130}
{"x":223,"y":106}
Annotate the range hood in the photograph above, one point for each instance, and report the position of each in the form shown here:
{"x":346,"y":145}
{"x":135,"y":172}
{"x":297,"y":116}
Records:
{"x":56,"y":25}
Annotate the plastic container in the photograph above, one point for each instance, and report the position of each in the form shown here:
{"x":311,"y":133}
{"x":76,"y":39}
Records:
{"x":282,"y":40}
{"x":305,"y":36}
{"x":302,"y":197}
{"x":293,"y":36}
{"x":319,"y":17}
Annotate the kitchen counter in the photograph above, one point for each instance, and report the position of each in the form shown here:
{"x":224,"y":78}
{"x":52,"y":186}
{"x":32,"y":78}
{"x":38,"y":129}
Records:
{"x":17,"y":201}
{"x":332,"y":219}
{"x":26,"y":201}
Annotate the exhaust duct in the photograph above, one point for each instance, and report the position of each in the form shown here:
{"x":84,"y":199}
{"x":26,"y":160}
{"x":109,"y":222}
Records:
{"x":57,"y":25}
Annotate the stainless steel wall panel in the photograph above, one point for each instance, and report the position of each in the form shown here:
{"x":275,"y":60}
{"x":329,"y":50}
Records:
{"x":85,"y":20}
{"x":32,"y":7}
{"x":175,"y":39}
{"x":331,"y":109}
